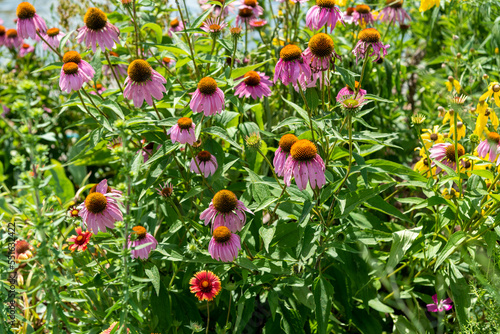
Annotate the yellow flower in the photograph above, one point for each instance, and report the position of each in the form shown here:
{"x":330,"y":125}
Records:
{"x":449,"y":194}
{"x":422,"y":166}
{"x":431,"y":137}
{"x":428,"y":4}
{"x":483,"y":114}
{"x":493,"y":90}
{"x":452,"y":83}
{"x":460,"y":130}
{"x":450,"y":116}
{"x":340,"y":2}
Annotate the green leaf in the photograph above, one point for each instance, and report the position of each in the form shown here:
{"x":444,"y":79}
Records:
{"x":59,"y":182}
{"x":114,"y":107}
{"x":347,"y":76}
{"x":222,"y":133}
{"x":453,"y":243}
{"x":323,"y":295}
{"x":154,"y":275}
{"x":198,"y":22}
{"x":461,"y":295}
{"x":64,"y":41}
{"x":267,"y":234}
{"x":156,"y":28}
{"x":376,"y":98}
{"x":403,"y":240}
{"x":378,"y":203}
{"x":239,"y":72}
{"x":298,"y":109}
{"x":52,"y":66}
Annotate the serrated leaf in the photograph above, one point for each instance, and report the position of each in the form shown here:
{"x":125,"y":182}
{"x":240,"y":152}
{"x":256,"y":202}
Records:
{"x":154,"y":275}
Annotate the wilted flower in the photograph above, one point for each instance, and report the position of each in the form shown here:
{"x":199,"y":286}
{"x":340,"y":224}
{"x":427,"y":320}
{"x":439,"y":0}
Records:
{"x":80,"y":241}
{"x":224,"y":245}
{"x":143,"y":237}
{"x":205,"y":285}
{"x":207,"y":164}
{"x":98,"y":30}
{"x":225,"y":210}
{"x":305,"y":164}
{"x":369,"y":37}
{"x":439,"y":306}
{"x":28,"y":21}
{"x":208,"y":98}
{"x":143,"y":83}
{"x":352,"y":103}
{"x":23,"y":250}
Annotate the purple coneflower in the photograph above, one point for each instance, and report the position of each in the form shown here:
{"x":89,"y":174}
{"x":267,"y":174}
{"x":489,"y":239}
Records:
{"x":362,"y":15}
{"x":442,"y":305}
{"x":282,"y":153}
{"x":142,"y":83}
{"x":217,"y":8}
{"x":25,"y":49}
{"x":225,"y":210}
{"x":29,"y":22}
{"x":120,"y":69}
{"x":183,"y":131}
{"x":369,"y":37}
{"x":169,"y":62}
{"x":348,"y":91}
{"x":347,"y":17}
{"x":245,"y":15}
{"x":53,"y":37}
{"x":254,"y":84}
{"x":320,"y":53}
{"x":75,"y":57}
{"x":224,"y":245}
{"x":352,"y":102}
{"x":445,"y":153}
{"x":98,"y":89}
{"x":2,"y":35}
{"x":143,"y":237}
{"x":75,"y":72}
{"x":305,"y":164}
{"x":213,"y":26}
{"x":12,"y":40}
{"x":206,"y":161}
{"x":175,"y":26}
{"x":100,"y":209}
{"x":254,"y":4}
{"x":98,"y":30}
{"x":208,"y":98}
{"x":323,"y":13}
{"x":166,"y":190}
{"x":291,"y":65}
{"x":394,"y":12}
{"x":489,"y":146}
{"x":257,"y":23}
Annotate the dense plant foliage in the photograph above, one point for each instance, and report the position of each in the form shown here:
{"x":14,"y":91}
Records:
{"x":251,"y":167}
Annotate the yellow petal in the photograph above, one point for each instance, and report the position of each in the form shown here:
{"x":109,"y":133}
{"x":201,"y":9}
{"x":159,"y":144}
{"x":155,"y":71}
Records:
{"x":457,"y":86}
{"x":494,"y":118}
{"x":449,"y":86}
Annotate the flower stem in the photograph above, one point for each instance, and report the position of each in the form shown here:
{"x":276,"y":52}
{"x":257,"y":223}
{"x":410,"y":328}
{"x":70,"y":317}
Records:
{"x":208,"y":317}
{"x":159,"y":118}
{"x":95,"y":106}
{"x":367,"y":55}
{"x":85,"y":107}
{"x":184,"y":223}
{"x":201,"y":173}
{"x":50,"y":46}
{"x":188,"y":41}
{"x":272,"y":170}
{"x":113,"y":71}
